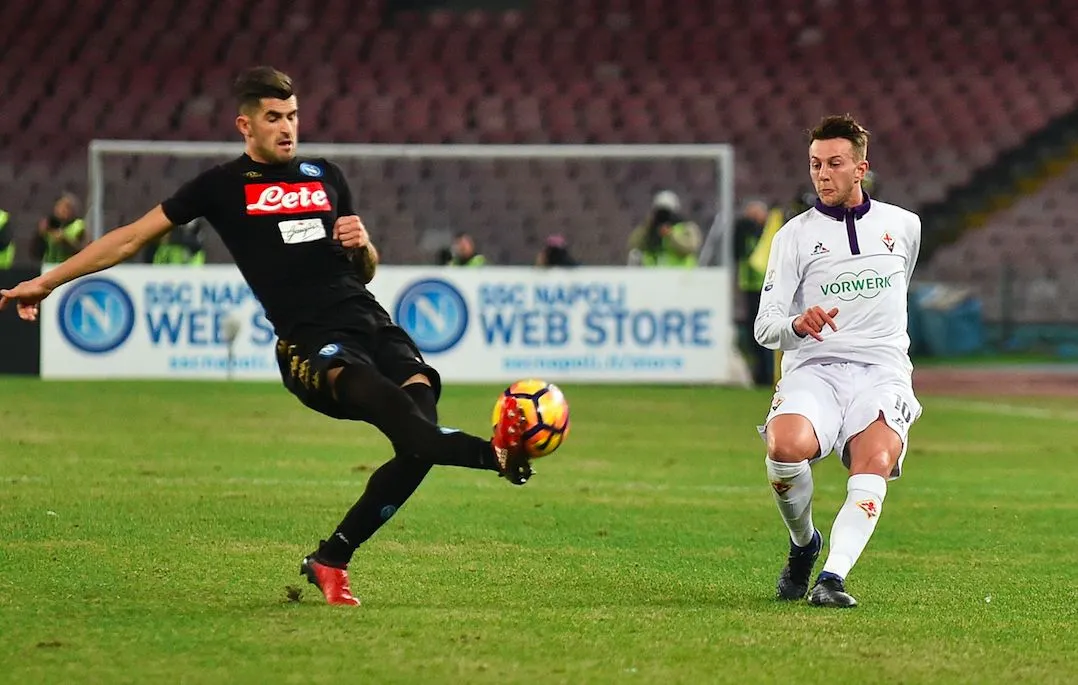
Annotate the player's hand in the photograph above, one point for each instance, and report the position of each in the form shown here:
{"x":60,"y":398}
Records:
{"x":813,"y":321}
{"x":351,"y":232}
{"x":25,"y":295}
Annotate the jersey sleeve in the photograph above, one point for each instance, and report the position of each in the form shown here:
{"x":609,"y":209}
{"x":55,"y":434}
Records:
{"x":345,"y":206}
{"x":773,"y":327}
{"x":191,"y":201}
{"x":914,"y":249}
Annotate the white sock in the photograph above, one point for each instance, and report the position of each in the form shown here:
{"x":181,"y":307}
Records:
{"x":792,"y":487}
{"x":855,"y":522}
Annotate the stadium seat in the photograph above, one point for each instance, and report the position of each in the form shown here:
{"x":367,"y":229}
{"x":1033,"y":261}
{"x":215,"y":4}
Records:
{"x":940,"y":104}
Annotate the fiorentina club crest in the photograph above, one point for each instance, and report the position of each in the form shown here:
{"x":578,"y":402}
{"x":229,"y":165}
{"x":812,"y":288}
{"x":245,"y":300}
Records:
{"x":781,"y":487}
{"x":889,"y":242}
{"x":869,"y":507}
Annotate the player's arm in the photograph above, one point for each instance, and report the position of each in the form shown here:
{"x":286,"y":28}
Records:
{"x":365,"y":259}
{"x":914,"y":250}
{"x":107,"y":251}
{"x":110,"y":249}
{"x":350,"y":231}
{"x":352,"y":234}
{"x":774,"y":325}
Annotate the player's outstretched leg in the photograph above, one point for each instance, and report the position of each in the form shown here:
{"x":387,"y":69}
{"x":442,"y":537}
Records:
{"x":873,"y":455}
{"x":791,"y":443}
{"x":370,"y":395}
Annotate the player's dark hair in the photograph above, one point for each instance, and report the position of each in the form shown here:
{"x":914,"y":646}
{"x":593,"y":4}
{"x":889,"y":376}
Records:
{"x":843,"y":126}
{"x":261,"y":82}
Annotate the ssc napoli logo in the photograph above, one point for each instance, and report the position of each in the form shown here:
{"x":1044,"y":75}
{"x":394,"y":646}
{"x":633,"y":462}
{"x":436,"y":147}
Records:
{"x":434,"y":313}
{"x":308,"y":169}
{"x":96,"y":315}
{"x":329,"y":350}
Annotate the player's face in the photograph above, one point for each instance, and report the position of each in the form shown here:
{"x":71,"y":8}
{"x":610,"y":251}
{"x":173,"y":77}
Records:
{"x":271,"y":131}
{"x":834,"y":170}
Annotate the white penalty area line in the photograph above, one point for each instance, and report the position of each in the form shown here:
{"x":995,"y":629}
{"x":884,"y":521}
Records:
{"x":1000,"y":409}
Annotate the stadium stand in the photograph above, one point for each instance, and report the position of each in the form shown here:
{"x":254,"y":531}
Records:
{"x":943,"y":84}
{"x":1028,"y":250}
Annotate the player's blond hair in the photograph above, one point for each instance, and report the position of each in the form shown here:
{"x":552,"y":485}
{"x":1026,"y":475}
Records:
{"x":843,"y":126}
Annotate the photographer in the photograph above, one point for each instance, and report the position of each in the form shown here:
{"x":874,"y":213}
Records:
{"x":555,"y":253}
{"x":666,"y":238}
{"x":463,"y":252}
{"x":7,"y":245}
{"x":62,"y":233}
{"x":182,"y":246}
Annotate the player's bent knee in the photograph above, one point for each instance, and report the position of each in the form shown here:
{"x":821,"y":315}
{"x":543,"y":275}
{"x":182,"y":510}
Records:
{"x":791,"y":438}
{"x":792,"y":451}
{"x":875,"y":450}
{"x":331,"y":376}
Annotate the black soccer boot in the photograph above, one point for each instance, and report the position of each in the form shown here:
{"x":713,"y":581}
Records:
{"x":794,"y":580}
{"x":830,"y":591}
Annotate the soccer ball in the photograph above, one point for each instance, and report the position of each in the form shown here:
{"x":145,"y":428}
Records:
{"x":546,"y":411}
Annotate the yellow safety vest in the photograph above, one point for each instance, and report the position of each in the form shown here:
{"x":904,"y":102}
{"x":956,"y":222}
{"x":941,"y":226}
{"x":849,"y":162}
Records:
{"x":55,"y":251}
{"x":476,"y":260}
{"x":757,"y":261}
{"x":178,"y":254}
{"x":7,"y":255}
{"x":666,"y":256}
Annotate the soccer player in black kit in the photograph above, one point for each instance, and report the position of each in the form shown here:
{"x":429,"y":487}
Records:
{"x":292,"y":229}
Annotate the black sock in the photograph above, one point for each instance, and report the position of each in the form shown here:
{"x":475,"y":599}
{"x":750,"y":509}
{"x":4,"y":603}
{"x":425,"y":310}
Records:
{"x":394,"y":412}
{"x":386,"y":491}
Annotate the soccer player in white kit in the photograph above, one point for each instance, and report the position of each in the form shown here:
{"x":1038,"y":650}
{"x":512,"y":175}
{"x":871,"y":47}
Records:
{"x":834,"y":301}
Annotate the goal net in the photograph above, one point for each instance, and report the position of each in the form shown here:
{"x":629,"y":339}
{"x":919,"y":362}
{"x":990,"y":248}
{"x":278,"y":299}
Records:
{"x":413,"y":198}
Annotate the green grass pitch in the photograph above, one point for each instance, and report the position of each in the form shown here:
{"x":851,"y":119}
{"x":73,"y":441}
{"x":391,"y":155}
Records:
{"x":149,"y":532}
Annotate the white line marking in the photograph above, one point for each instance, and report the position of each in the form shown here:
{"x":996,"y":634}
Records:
{"x":1015,"y":410}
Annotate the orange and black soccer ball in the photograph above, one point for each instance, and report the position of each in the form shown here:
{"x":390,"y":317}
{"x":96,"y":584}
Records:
{"x":546,"y":412}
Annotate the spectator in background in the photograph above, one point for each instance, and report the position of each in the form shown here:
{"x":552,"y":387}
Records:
{"x":183,"y":245}
{"x":666,"y":238}
{"x":871,"y":183}
{"x":802,"y":202}
{"x":7,"y":245}
{"x":748,"y":230}
{"x":62,"y":233}
{"x":555,"y":252}
{"x":463,"y":252}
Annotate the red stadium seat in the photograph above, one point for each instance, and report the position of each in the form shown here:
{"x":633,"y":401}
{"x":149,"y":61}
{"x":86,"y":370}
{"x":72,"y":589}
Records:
{"x":982,"y":80}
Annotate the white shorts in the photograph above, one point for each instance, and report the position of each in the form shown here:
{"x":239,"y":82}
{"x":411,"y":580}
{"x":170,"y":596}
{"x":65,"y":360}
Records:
{"x":841,"y":400}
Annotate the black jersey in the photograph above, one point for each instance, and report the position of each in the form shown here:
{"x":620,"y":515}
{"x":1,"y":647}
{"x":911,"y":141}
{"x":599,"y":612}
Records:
{"x":277,"y":222}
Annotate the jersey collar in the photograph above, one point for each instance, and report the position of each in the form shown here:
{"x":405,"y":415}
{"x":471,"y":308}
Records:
{"x":839,"y":213}
{"x":247,"y":159}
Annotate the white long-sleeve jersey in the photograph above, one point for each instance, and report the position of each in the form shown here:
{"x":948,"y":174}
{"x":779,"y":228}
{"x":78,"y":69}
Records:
{"x":859,"y":260}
